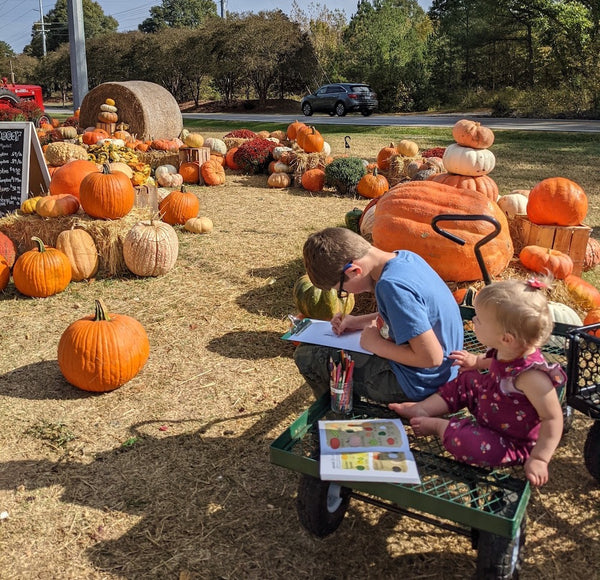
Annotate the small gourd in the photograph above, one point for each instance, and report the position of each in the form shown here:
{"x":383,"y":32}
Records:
{"x":199,"y":225}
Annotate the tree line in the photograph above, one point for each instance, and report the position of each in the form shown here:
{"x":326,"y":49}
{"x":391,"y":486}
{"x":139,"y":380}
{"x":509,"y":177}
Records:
{"x":536,"y":58}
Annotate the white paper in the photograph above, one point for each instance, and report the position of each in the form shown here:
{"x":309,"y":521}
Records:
{"x":320,"y":332}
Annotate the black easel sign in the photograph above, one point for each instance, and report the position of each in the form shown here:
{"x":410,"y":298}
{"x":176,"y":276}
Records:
{"x":23,"y":171}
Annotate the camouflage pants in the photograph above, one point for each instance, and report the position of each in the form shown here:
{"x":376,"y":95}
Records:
{"x":373,"y":377}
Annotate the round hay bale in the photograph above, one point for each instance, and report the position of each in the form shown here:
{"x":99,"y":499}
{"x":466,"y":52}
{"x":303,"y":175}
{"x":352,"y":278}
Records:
{"x":149,"y":109}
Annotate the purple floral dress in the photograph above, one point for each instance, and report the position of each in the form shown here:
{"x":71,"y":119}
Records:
{"x":504,"y":425}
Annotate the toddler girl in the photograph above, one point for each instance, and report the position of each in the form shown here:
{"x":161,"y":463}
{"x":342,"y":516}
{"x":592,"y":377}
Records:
{"x":516,"y":413}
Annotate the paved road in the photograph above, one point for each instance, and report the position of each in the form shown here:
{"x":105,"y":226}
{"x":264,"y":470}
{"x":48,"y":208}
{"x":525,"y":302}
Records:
{"x":433,"y":120}
{"x":430,"y":120}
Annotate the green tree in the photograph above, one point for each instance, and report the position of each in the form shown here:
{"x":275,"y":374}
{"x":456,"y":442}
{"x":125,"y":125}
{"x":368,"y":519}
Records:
{"x":178,"y":14}
{"x":384,"y":45}
{"x":56,"y":24}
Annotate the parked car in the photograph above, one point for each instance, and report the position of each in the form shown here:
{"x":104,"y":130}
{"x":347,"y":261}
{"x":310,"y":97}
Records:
{"x":339,"y":99}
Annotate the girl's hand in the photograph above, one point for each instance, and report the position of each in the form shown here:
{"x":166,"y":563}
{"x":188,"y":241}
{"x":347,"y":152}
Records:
{"x":467,"y":361}
{"x":536,"y":471}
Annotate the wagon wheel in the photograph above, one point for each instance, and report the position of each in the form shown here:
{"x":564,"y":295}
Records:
{"x":500,"y":558}
{"x":321,"y":505}
{"x":591,"y":450}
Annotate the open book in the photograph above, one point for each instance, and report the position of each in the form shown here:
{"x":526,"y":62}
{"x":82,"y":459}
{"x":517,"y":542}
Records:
{"x":366,"y":450}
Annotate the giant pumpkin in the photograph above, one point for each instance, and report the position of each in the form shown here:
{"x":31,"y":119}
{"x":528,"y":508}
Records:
{"x":403,"y":218}
{"x":481,"y":183}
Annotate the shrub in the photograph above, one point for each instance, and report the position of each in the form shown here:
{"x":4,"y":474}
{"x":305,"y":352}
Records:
{"x":344,"y":173}
{"x":255,"y":155}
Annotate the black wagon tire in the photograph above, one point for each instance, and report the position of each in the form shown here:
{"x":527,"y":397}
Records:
{"x":6,"y":95}
{"x":340,"y":109}
{"x":321,"y":505}
{"x":591,"y":450}
{"x":500,"y":558}
{"x":307,"y":110}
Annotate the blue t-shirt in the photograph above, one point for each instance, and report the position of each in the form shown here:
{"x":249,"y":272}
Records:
{"x":412,"y":299}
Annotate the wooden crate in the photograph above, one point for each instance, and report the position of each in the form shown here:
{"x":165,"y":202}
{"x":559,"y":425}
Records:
{"x":571,"y":240}
{"x":197,"y":154}
{"x":146,"y":196}
{"x":110,"y":128}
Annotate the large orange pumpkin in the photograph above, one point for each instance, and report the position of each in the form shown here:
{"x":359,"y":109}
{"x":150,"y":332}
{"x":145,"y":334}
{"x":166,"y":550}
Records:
{"x":4,"y":273}
{"x":190,"y":171}
{"x":212,"y":173}
{"x":42,"y":271}
{"x":557,"y":201}
{"x":7,"y":249}
{"x":384,"y":156}
{"x":103,"y":351}
{"x":482,"y":183}
{"x":107,"y":195}
{"x":179,"y":206}
{"x":372,"y":185}
{"x":68,"y":177}
{"x":543,"y":260}
{"x":403,"y":218}
{"x":583,"y":292}
{"x":292,"y":129}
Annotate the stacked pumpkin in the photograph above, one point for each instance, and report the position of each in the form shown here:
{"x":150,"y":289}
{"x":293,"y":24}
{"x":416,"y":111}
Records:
{"x":310,"y":154}
{"x":469,"y":161}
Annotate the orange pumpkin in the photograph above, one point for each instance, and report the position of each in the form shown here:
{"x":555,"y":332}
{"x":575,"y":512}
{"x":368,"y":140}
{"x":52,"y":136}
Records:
{"x":179,"y":206}
{"x":103,"y":351}
{"x":42,"y":271}
{"x":92,"y":137}
{"x":384,"y":157}
{"x":7,"y":249}
{"x":592,"y":254}
{"x":372,"y":185}
{"x":57,"y":205}
{"x":593,"y":317}
{"x":313,"y":141}
{"x":229,"y":160}
{"x":4,"y":273}
{"x":292,"y":129}
{"x":583,"y":292}
{"x":213,"y":173}
{"x":68,"y":177}
{"x":542,"y":260}
{"x":481,"y":183}
{"x":557,"y":201}
{"x":190,"y":171}
{"x":472,"y":134}
{"x":403,"y":218}
{"x":313,"y":179}
{"x":107,"y":195}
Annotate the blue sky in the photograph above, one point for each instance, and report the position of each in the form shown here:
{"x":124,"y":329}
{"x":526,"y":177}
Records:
{"x":18,"y":16}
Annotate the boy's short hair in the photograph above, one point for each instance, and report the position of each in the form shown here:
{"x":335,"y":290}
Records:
{"x":521,"y":309}
{"x":328,"y":251}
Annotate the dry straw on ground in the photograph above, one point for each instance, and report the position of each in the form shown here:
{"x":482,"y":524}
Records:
{"x":169,"y":476}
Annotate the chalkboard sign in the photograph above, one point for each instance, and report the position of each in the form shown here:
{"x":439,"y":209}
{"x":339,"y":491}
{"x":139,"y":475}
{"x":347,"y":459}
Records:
{"x":23,"y":171}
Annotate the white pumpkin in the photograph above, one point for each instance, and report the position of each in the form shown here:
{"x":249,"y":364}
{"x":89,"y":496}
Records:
{"x":513,"y":204}
{"x":279,"y":151}
{"x":150,"y":248}
{"x":468,"y":161}
{"x":280,"y":167}
{"x":326,"y":149}
{"x":565,"y":315}
{"x":216,"y":145}
{"x":367,"y":220}
{"x":199,"y":225}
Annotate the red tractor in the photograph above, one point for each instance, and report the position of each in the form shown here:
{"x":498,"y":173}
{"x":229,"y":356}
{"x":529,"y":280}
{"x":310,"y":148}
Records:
{"x":12,"y":95}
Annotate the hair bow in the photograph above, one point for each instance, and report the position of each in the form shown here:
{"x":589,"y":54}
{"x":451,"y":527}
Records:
{"x":537,"y":284}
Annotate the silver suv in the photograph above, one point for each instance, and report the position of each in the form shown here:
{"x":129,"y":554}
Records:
{"x":339,"y":99}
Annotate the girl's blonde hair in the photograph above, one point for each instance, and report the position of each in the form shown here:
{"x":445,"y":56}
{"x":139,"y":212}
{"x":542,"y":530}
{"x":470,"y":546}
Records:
{"x":521,"y":308}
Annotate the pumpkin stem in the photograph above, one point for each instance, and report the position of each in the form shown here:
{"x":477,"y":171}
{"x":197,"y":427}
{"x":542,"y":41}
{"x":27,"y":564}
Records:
{"x":40,"y":244}
{"x":100,"y":311}
{"x":105,"y":168}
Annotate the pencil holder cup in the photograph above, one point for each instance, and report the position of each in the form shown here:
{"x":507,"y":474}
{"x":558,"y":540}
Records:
{"x":341,"y":397}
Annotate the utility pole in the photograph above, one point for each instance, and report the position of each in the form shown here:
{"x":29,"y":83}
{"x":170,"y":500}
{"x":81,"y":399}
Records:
{"x":79,"y":78}
{"x":43,"y":29}
{"x":223,"y":8}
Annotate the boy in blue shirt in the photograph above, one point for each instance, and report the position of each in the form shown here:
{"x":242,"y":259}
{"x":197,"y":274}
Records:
{"x":411,"y":336}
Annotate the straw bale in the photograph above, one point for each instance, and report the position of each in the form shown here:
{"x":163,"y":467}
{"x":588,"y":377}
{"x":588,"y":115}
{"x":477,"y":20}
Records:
{"x":108,"y":235}
{"x":155,"y":158}
{"x":231,"y":142}
{"x":149,"y":109}
{"x":305,"y":161}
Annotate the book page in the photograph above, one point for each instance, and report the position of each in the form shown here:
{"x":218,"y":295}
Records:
{"x":362,"y":435}
{"x":320,"y":332}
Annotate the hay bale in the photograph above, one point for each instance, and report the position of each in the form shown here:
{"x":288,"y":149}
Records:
{"x":149,"y":109}
{"x":108,"y":234}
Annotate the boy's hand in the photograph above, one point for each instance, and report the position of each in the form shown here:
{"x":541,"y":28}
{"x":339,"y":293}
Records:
{"x":536,"y":471}
{"x":467,"y":361}
{"x":370,"y":337}
{"x":340,"y":323}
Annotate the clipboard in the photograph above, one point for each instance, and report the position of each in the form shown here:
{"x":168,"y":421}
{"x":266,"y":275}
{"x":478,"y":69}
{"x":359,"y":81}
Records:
{"x":312,"y":331}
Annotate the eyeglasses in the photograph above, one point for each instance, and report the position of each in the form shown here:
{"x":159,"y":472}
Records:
{"x":343,"y":294}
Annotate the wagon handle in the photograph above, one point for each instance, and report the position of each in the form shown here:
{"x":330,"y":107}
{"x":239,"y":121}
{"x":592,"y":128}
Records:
{"x":460,"y":241}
